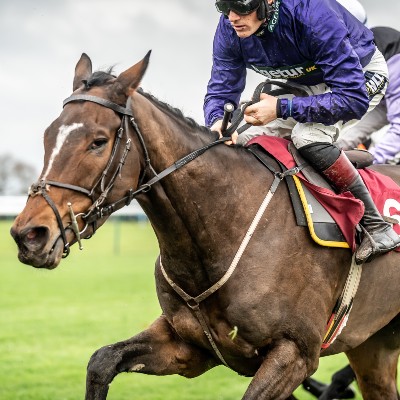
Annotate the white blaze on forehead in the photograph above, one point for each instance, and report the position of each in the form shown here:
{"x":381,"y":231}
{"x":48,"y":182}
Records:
{"x":63,"y":133}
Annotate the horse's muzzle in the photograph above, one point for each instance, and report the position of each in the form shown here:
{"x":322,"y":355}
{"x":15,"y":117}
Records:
{"x":35,"y":248}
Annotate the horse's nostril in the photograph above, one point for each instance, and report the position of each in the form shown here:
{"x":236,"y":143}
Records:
{"x":31,"y":234}
{"x":36,"y":237}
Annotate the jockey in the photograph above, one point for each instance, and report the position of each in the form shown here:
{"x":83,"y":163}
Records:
{"x":388,"y":111}
{"x":321,"y":46}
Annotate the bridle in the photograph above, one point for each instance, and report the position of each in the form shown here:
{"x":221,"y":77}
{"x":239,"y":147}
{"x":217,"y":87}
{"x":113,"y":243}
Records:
{"x":99,"y":209}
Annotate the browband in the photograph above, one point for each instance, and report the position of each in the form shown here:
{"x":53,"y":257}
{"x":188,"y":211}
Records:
{"x":98,"y":100}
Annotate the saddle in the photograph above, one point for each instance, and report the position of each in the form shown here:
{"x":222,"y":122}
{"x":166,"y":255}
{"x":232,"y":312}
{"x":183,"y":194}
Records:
{"x":332,"y":218}
{"x":359,"y":158}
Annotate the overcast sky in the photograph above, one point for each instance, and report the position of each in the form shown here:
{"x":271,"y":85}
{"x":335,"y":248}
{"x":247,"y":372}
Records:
{"x":42,"y":40}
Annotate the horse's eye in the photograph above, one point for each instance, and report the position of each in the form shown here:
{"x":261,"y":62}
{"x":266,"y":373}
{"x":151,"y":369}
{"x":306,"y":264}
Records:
{"x":98,"y":143}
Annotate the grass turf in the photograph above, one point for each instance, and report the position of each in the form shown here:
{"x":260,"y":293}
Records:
{"x":52,"y":321}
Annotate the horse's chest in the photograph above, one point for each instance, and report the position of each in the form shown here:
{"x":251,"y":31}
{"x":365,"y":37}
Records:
{"x":188,"y":326}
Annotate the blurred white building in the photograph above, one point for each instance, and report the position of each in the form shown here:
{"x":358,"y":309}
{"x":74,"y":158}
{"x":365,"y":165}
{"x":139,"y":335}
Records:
{"x":11,"y":206}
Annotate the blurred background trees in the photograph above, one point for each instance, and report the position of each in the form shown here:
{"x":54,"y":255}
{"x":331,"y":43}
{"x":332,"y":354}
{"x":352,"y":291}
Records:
{"x":15,"y":176}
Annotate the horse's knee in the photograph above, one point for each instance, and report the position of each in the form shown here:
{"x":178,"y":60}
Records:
{"x":100,"y":369}
{"x":156,"y":351}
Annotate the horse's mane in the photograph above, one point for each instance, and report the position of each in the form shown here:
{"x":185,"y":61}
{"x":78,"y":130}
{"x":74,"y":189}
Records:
{"x":101,"y":78}
{"x":175,"y":112}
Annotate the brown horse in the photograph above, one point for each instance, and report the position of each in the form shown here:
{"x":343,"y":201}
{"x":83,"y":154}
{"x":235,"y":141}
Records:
{"x":268,"y":319}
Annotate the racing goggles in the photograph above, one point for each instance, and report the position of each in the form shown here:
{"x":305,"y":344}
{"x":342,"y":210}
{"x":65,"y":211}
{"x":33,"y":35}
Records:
{"x":243,"y":7}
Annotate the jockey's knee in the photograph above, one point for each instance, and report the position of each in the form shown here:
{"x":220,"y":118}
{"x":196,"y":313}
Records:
{"x":308,"y":133}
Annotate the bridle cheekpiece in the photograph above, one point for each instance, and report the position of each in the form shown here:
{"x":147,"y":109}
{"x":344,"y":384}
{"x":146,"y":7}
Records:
{"x":97,"y":210}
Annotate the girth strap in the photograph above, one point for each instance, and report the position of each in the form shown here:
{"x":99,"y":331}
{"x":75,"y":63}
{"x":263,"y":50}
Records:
{"x":343,"y":306}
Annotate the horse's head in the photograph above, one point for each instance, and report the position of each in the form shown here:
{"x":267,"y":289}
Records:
{"x":86,"y":164}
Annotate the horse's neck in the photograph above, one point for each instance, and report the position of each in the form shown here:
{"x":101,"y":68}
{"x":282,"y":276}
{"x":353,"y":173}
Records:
{"x":195,"y":211}
{"x":167,"y":134}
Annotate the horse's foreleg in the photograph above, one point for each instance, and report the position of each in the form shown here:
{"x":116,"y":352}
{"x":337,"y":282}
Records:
{"x":155,"y":351}
{"x":281,"y":372}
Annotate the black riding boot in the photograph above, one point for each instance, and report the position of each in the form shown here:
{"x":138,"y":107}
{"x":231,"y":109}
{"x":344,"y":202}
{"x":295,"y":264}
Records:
{"x":379,"y":236}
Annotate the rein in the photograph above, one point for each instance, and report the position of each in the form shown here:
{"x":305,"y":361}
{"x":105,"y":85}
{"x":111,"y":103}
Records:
{"x":263,"y":87}
{"x":96,"y":210}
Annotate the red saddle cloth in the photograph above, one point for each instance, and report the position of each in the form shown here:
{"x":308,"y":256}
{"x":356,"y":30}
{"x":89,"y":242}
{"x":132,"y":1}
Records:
{"x":346,"y":210}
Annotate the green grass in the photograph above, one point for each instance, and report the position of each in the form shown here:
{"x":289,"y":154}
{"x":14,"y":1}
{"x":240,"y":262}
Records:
{"x":52,"y":321}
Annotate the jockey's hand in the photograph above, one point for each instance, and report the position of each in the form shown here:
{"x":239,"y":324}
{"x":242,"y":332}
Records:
{"x":216,"y":126}
{"x":263,"y":112}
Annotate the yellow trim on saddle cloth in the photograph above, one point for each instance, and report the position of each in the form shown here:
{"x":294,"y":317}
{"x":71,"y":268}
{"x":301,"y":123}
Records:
{"x":304,"y":202}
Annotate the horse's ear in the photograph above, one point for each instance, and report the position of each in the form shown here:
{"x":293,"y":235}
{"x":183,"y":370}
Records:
{"x":130,"y":79}
{"x":83,"y":70}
